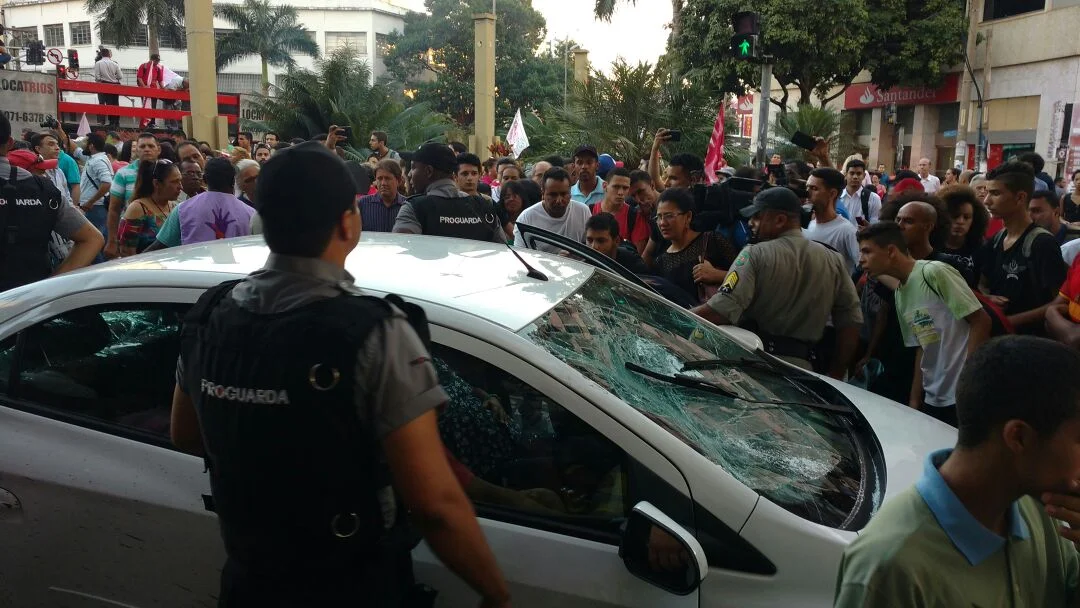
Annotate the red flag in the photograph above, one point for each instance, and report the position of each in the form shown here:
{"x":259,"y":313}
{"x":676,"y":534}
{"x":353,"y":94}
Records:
{"x":714,"y":158}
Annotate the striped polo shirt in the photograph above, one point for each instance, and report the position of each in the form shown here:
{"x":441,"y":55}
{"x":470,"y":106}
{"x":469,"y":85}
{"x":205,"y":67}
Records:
{"x":377,"y":217}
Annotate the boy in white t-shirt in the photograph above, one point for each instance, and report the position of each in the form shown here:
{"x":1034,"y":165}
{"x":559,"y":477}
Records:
{"x":938,"y":313}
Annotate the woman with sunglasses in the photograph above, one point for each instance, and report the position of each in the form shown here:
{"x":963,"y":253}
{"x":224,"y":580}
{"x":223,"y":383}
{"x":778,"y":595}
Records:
{"x":156,"y":188}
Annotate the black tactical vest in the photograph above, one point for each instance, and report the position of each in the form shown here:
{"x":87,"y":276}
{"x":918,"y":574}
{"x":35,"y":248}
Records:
{"x":296,"y":476}
{"x":464,"y":217}
{"x":28,"y":210}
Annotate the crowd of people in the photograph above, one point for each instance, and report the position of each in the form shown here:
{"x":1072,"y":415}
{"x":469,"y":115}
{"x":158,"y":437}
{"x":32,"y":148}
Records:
{"x":898,"y":281}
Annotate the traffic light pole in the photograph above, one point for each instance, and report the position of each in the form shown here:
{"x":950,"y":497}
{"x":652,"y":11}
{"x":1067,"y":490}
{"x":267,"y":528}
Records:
{"x":763,"y":113}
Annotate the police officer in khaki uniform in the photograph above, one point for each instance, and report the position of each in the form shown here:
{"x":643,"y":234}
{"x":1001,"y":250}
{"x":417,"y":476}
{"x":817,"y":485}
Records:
{"x":294,"y":380}
{"x":784,"y":287}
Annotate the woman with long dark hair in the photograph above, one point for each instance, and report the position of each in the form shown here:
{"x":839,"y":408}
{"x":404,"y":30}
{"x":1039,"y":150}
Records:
{"x":157,"y":187}
{"x":515,"y":197}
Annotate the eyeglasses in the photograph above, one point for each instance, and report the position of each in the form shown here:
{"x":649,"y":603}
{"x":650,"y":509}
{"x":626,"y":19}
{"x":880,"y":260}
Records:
{"x":669,"y":217}
{"x":162,"y":167}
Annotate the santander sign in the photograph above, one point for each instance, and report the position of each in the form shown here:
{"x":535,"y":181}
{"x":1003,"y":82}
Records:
{"x":861,"y":96}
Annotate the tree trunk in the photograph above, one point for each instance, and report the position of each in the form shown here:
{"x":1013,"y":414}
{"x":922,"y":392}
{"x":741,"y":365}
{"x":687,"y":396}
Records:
{"x":152,"y":39}
{"x":676,"y":19}
{"x":806,"y":93}
{"x":265,"y":77}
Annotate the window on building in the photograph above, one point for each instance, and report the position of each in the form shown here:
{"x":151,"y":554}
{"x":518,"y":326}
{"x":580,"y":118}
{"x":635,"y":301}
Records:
{"x":54,"y":35}
{"x":21,"y":36}
{"x":999,"y":9}
{"x":948,"y":119}
{"x":242,"y":84}
{"x":219,"y":34}
{"x":80,"y":33}
{"x":354,"y":40}
{"x":382,"y":45}
{"x":169,"y":42}
{"x":141,"y":38}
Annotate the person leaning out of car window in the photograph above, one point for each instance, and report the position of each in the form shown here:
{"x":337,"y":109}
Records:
{"x":977,"y":528}
{"x":334,"y":402}
{"x":33,"y":210}
{"x":602,"y":235}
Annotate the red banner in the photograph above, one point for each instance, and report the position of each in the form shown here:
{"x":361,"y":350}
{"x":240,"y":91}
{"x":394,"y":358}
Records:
{"x":1072,"y":156}
{"x":714,"y":158}
{"x":862,"y":96}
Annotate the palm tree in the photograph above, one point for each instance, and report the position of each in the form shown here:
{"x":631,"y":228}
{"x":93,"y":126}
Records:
{"x":338,"y":92}
{"x":122,"y":20}
{"x":271,"y":32}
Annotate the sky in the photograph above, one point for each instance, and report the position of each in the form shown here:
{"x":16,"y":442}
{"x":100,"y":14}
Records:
{"x":635,"y":33}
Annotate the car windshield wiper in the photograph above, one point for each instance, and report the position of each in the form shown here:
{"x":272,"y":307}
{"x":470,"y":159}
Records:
{"x":705,"y":385}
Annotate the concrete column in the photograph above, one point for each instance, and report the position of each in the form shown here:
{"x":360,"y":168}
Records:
{"x":877,"y":119}
{"x":581,"y":66}
{"x":923,"y":133}
{"x":202,"y":74}
{"x":484,"y":85}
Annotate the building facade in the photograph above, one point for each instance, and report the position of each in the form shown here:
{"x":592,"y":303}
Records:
{"x":65,"y":24}
{"x":1027,"y":67}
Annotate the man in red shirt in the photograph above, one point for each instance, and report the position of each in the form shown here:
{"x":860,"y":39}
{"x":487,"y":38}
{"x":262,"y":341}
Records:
{"x":1063,"y":314}
{"x":150,"y":75}
{"x":616,"y":188}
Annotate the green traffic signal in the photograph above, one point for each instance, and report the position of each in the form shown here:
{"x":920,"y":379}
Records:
{"x":744,"y":48}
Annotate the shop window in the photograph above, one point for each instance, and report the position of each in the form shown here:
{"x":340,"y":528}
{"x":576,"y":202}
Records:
{"x":948,"y":118}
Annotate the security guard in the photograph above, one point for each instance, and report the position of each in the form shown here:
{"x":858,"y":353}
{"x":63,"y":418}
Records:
{"x":312,"y":404}
{"x":442,"y":209}
{"x":31,"y":209}
{"x":784,"y":287}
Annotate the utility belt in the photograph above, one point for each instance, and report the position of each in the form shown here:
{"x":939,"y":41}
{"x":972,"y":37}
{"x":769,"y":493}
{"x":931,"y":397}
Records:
{"x":782,"y":346}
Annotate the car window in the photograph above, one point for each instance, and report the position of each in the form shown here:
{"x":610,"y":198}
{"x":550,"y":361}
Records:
{"x":518,"y":451}
{"x":110,"y":364}
{"x":803,"y":459}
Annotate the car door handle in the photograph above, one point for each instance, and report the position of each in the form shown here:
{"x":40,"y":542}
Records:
{"x":11,"y":510}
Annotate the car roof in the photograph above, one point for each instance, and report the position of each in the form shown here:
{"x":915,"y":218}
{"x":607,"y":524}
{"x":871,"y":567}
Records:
{"x":483,"y":279}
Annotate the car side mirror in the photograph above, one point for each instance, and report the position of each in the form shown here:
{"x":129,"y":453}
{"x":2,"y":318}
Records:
{"x":661,"y":552}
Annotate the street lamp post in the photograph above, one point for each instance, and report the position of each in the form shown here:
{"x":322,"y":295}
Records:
{"x":566,"y":54}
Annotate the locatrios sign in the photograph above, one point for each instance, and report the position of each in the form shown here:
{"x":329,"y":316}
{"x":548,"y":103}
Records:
{"x":861,"y":96}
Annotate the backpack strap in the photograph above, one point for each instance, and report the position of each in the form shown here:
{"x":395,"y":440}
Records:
{"x":631,"y":217}
{"x":200,"y":312}
{"x":1029,"y":239}
{"x":416,"y":315}
{"x":865,"y":196}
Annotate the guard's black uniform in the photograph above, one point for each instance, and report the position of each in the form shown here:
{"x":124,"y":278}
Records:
{"x":463,"y":217}
{"x":295,"y":474}
{"x":28,"y":212}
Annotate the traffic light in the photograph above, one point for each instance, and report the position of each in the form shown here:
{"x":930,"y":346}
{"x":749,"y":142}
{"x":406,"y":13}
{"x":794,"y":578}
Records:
{"x":747,"y":27}
{"x":35,"y":53}
{"x":73,"y":59}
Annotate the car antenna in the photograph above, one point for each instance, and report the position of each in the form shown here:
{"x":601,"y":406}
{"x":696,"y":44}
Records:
{"x":533,"y":273}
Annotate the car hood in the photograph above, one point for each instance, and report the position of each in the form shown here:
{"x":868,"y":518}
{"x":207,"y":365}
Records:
{"x":906,"y":436}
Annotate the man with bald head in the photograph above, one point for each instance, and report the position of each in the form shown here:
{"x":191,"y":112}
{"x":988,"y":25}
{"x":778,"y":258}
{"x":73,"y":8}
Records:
{"x":539,"y":169}
{"x":930,"y":182}
{"x":918,"y":221}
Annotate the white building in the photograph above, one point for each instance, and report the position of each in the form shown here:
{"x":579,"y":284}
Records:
{"x":65,"y":24}
{"x":1027,"y":64}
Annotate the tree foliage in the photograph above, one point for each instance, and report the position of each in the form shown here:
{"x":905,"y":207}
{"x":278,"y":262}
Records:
{"x":338,"y":92}
{"x":441,"y":43}
{"x":620,"y":114}
{"x":817,"y":46}
{"x":273,"y":33}
{"x":123,"y":20}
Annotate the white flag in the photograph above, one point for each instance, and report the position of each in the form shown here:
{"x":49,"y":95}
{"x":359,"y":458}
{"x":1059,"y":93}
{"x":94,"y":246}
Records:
{"x":516,"y":136}
{"x":84,"y":126}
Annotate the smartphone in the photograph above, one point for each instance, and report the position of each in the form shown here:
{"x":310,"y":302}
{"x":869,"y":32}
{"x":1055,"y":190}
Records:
{"x":674,"y":135}
{"x":346,"y":132}
{"x":803,"y":140}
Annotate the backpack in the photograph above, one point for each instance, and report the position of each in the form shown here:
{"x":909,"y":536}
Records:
{"x":865,"y":196}
{"x":999,"y":321}
{"x":631,"y":214}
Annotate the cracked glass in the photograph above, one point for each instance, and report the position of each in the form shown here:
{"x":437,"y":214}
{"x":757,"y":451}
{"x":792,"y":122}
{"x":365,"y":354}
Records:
{"x":801,"y":458}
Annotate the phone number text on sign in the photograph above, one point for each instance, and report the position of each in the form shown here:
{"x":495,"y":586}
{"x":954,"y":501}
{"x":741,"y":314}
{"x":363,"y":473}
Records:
{"x":26,"y":98}
{"x":24,"y":117}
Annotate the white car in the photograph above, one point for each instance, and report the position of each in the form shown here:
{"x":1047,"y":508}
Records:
{"x":569,"y":402}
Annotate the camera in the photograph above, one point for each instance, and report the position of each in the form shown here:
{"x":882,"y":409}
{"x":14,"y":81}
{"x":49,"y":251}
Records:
{"x":720,"y":204}
{"x":50,"y":122}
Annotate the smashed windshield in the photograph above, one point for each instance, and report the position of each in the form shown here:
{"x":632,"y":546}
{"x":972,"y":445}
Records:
{"x":801,"y":458}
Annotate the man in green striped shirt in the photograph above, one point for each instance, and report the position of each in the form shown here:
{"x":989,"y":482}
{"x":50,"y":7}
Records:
{"x":972,"y":531}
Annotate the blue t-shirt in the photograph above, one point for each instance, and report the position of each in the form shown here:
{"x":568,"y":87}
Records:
{"x":70,"y":169}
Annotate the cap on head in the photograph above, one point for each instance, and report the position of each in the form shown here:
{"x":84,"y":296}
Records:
{"x":437,"y":156}
{"x":773,"y":199}
{"x":28,"y":159}
{"x":607,"y":163}
{"x":586,"y":150}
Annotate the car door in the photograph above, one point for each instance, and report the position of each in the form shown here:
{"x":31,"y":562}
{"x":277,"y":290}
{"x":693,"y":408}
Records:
{"x":553,"y":480}
{"x":98,"y":508}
